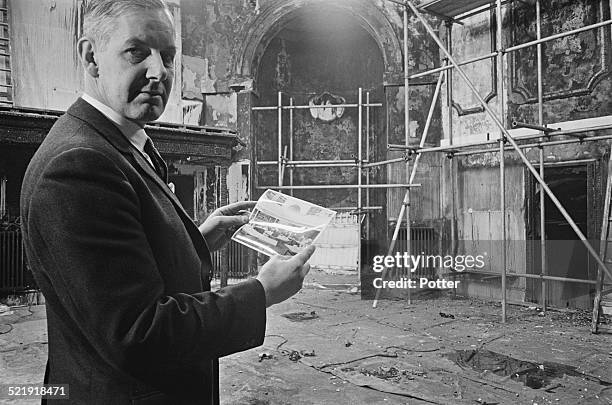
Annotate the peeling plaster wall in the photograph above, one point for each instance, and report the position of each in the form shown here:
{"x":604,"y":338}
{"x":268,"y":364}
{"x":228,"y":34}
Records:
{"x":576,"y":69}
{"x":576,"y":82}
{"x":220,"y":110}
{"x":238,"y":181}
{"x":475,"y":38}
{"x":210,"y":40}
{"x":224,"y":40}
{"x":423,"y":54}
{"x":46,"y":70}
{"x":195,"y":77}
{"x":227,"y":42}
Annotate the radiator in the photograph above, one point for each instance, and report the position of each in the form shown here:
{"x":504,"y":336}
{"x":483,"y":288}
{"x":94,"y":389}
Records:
{"x":423,"y":241}
{"x":234,"y":259}
{"x":12,"y":261}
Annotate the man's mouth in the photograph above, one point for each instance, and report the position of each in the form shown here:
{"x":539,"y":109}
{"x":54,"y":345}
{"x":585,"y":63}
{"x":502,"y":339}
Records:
{"x":154,"y":97}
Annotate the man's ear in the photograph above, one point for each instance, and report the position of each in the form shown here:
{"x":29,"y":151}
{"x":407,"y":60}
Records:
{"x":85,"y":49}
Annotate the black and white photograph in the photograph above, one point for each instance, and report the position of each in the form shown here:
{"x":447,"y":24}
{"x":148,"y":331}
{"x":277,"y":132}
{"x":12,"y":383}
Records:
{"x":306,"y":202}
{"x":283,"y":225}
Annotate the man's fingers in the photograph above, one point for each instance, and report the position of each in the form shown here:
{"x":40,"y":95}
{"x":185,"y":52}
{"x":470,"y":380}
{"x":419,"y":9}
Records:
{"x":305,"y":269}
{"x":303,"y":256}
{"x":237,"y":206}
{"x":231,"y":221}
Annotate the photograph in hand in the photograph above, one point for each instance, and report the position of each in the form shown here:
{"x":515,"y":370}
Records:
{"x":283,"y":225}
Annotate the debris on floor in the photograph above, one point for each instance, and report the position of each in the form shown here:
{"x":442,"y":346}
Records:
{"x":533,"y":375}
{"x":295,"y":355}
{"x":305,"y":353}
{"x":265,"y":355}
{"x":301,"y":316}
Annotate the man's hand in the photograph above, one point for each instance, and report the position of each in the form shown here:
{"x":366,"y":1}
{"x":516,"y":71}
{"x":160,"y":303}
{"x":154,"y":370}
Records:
{"x":282,"y":276}
{"x":223,"y":222}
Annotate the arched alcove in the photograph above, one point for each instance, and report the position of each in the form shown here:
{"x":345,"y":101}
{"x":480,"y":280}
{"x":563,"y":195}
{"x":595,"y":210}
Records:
{"x":318,"y":53}
{"x":276,"y":14}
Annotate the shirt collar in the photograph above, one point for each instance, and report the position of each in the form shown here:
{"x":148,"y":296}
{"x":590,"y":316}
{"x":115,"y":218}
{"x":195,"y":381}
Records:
{"x":132,"y":131}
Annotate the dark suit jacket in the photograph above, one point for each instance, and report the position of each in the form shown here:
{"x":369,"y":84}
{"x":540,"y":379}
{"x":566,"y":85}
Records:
{"x":126,"y":274}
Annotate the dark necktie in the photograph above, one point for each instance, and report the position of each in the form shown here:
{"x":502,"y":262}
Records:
{"x":158,"y":162}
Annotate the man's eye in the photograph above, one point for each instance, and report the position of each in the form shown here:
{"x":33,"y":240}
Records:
{"x":168,"y":60}
{"x":137,"y":53}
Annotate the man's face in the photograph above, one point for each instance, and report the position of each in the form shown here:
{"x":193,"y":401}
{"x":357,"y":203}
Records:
{"x":136,"y":65}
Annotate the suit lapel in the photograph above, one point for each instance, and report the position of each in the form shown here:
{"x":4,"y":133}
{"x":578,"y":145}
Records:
{"x":197,"y":238}
{"x":90,"y":115}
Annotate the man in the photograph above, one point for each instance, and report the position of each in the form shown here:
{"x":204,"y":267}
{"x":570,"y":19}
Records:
{"x":124,"y":270}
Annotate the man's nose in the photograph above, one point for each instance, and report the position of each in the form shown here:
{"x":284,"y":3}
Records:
{"x":156,"y":70}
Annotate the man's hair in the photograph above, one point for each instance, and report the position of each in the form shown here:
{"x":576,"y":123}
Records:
{"x":99,"y":15}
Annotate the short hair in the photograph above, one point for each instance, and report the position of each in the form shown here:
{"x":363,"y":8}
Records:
{"x":98,"y":15}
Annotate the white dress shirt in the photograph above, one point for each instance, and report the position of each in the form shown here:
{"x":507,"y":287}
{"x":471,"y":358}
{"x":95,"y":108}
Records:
{"x":132,"y":131}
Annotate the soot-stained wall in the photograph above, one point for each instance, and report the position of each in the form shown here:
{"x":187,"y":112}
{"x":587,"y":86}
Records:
{"x":272,"y":45}
{"x":576,"y":68}
{"x":320,"y":52}
{"x":576,"y":86}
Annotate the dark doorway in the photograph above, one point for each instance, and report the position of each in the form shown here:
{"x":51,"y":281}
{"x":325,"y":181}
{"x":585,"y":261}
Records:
{"x":14,"y":160}
{"x":566,"y":255}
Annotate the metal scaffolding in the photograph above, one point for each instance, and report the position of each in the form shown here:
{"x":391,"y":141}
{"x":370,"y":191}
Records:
{"x":453,"y":12}
{"x":358,"y":162}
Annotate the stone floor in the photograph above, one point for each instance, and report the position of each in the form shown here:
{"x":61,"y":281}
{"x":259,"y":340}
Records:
{"x":327,"y":346}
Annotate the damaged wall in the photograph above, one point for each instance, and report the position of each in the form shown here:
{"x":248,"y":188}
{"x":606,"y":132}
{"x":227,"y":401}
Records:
{"x":577,"y":82}
{"x":240,"y":45}
{"x":576,"y":69}
{"x":45,"y":31}
{"x":210,"y":36}
{"x":225,"y":43}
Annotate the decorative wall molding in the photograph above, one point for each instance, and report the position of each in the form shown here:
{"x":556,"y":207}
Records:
{"x":571,"y":68}
{"x":465,"y":110}
{"x":329,"y":113}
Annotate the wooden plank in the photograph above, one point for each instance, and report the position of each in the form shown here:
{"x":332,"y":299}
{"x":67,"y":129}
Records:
{"x":452,"y":8}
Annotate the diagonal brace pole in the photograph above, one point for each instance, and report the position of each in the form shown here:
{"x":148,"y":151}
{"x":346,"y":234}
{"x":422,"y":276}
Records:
{"x":412,"y":176}
{"x":518,"y":150}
